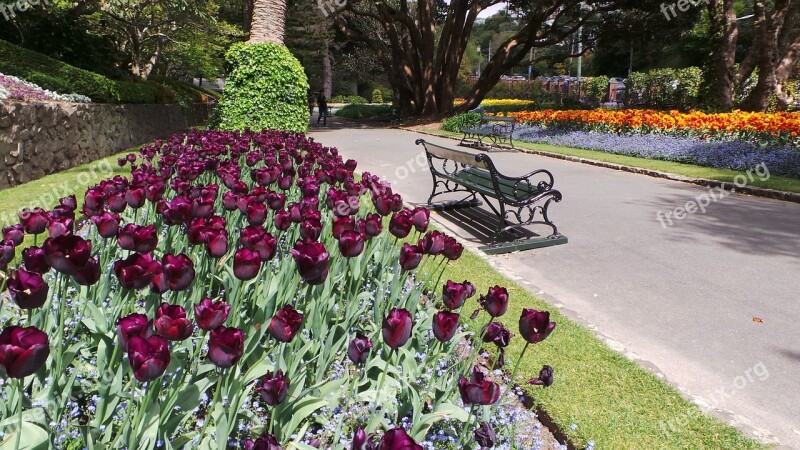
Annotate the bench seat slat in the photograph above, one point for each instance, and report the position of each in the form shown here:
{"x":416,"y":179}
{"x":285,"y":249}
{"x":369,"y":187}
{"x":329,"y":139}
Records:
{"x":524,"y":189}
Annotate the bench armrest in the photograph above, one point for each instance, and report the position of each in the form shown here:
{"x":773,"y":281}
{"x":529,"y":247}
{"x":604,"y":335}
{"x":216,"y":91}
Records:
{"x":548,"y":181}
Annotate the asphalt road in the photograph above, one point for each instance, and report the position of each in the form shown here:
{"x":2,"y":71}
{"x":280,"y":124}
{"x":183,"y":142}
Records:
{"x":710,"y":302}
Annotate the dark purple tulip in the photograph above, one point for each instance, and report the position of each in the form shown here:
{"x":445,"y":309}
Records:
{"x":246,"y":264}
{"x":397,"y":328}
{"x":217,"y":243}
{"x":229,"y":201}
{"x":358,"y":350}
{"x":256,"y":213}
{"x":60,"y":227}
{"x":351,"y":244}
{"x":312,"y":261}
{"x":22,"y":351}
{"x":133,"y":325}
{"x":432,"y":243}
{"x":28,"y":289}
{"x":478,"y":390}
{"x":383,"y":204}
{"x":276,"y":201}
{"x":310,"y":229}
{"x":149,"y":357}
{"x":171,"y":322}
{"x":107,"y":224}
{"x":400,"y":225}
{"x":178,"y":270}
{"x":7,"y":252}
{"x":35,"y":260}
{"x":452,"y":249}
{"x":485,"y":435}
{"x":282,"y":220}
{"x":68,"y":254}
{"x":496,"y":301}
{"x":455,"y":294}
{"x":93,"y":202}
{"x":273,"y":388}
{"x":420,"y":217}
{"x":264,"y":442}
{"x":545,"y":378}
{"x":374,"y":224}
{"x":285,"y":323}
{"x":295,"y":213}
{"x":14,"y":233}
{"x":135,"y":198}
{"x":285,"y":182}
{"x":137,"y":271}
{"x":359,"y":439}
{"x":34,"y":221}
{"x":342,"y":224}
{"x":535,"y":326}
{"x":410,"y":256}
{"x":116,"y":203}
{"x":155,"y":192}
{"x":209,"y":316}
{"x":398,"y":439}
{"x":225,"y":346}
{"x":445,"y":325}
{"x":89,"y":274}
{"x":497,"y":333}
{"x":69,"y":202}
{"x":141,"y":239}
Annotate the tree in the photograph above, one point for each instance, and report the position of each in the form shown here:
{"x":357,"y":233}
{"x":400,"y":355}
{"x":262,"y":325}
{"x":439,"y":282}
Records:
{"x":421,"y":44}
{"x":269,"y":21}
{"x":720,"y":70}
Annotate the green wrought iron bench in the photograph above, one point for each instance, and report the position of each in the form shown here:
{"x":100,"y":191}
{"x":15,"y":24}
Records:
{"x":517,"y":202}
{"x":500,"y":130}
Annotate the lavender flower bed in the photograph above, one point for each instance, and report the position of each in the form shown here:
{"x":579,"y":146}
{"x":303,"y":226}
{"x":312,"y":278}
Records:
{"x":737,"y":155}
{"x":16,"y":88}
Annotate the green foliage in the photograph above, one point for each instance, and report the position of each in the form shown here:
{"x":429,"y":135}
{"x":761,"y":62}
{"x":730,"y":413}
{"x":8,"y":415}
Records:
{"x":496,"y":109}
{"x":354,"y":111}
{"x":457,"y":122}
{"x":664,"y":88}
{"x":595,"y":89}
{"x":266,"y":88}
{"x":349,"y":99}
{"x":377,"y":95}
{"x":57,"y":76}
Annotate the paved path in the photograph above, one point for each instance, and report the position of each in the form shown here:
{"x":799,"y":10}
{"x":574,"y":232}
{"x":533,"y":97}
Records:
{"x":712,"y":302}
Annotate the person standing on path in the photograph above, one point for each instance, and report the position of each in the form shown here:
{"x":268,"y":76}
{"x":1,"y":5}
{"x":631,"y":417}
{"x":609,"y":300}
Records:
{"x":322,"y":104}
{"x":312,"y":100}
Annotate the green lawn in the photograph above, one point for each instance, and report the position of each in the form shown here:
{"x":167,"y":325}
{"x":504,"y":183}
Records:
{"x":604,"y":396}
{"x":688,"y":170}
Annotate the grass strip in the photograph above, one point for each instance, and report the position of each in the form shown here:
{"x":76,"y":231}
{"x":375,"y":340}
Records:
{"x":599,"y":395}
{"x":776,"y":182}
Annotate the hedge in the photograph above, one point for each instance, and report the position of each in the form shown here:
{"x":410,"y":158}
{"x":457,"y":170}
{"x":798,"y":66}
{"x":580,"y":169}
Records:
{"x":57,"y":76}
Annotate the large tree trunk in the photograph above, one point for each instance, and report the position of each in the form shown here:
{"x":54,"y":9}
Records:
{"x":327,"y":69}
{"x":269,"y":21}
{"x":720,"y":71}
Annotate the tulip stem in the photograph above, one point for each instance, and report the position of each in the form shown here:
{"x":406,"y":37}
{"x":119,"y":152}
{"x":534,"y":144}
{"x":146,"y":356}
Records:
{"x":381,"y":381}
{"x":21,"y":385}
{"x":513,"y":375}
{"x":339,"y":429}
{"x":465,"y":430}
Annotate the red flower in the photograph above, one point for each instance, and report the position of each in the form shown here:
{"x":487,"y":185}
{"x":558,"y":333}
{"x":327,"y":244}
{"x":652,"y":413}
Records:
{"x":28,"y":289}
{"x":210,"y":316}
{"x":478,"y":390}
{"x":285,"y":324}
{"x":133,"y":325}
{"x":397,"y":328}
{"x":273,"y":388}
{"x":452,"y":249}
{"x":149,"y":357}
{"x":225,"y":346}
{"x":23,"y":351}
{"x":445,"y":325}
{"x":171,"y":322}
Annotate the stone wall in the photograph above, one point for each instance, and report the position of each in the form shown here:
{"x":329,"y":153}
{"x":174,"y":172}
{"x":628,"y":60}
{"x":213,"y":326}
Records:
{"x":37,"y":139}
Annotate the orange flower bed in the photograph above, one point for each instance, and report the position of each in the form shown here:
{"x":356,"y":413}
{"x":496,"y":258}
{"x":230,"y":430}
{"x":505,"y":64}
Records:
{"x":734,"y":122}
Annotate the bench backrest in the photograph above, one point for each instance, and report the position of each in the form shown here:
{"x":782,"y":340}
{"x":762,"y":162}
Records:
{"x":498,"y":119}
{"x":466,"y":158}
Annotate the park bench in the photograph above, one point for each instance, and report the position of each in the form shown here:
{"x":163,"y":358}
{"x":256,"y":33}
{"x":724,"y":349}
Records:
{"x":499,"y":130}
{"x":520,"y":201}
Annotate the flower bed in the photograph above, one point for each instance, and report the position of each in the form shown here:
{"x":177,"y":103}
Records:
{"x":19,"y":89}
{"x":758,"y":128}
{"x":242,"y":289}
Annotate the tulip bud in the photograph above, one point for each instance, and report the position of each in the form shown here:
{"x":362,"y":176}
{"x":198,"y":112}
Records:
{"x":312,"y":261}
{"x":28,"y":289}
{"x":445,"y":325}
{"x":225,"y":346}
{"x":23,"y":351}
{"x":398,"y":438}
{"x":410,"y":256}
{"x":246,"y":264}
{"x":359,"y":439}
{"x":397,"y":327}
{"x":546,"y":377}
{"x":273,"y":388}
{"x":171,"y":322}
{"x":35,"y":260}
{"x":209,"y":316}
{"x":149,"y":357}
{"x":496,"y":301}
{"x":285,"y":324}
{"x":478,"y":390}
{"x":358,"y":350}
{"x":535,"y":326}
{"x":485,"y":436}
{"x":133,"y":325}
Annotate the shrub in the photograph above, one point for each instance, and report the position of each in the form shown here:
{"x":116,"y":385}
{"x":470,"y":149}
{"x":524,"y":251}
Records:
{"x":595,"y":89}
{"x":457,"y":122}
{"x":664,"y":88}
{"x":363,"y":111}
{"x":377,"y":95}
{"x":349,"y":99}
{"x":57,"y":76}
{"x":265,"y":89}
